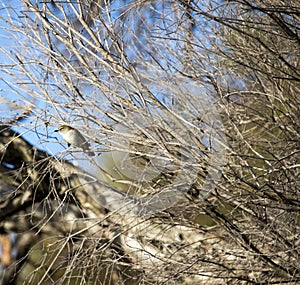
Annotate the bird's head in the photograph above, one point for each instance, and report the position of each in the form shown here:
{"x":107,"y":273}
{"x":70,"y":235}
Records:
{"x":64,"y":129}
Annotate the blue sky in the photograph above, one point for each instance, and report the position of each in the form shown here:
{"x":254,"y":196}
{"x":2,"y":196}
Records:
{"x":39,"y":127}
{"x":13,"y":95}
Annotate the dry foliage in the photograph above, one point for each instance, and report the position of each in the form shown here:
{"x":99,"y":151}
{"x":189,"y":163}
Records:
{"x":192,"y":109}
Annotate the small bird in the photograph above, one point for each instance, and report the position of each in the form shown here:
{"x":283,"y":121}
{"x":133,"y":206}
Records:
{"x":74,"y":138}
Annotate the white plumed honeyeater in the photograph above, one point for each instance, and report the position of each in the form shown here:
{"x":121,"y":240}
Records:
{"x":74,"y":138}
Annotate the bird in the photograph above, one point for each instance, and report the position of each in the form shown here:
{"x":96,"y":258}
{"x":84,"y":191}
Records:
{"x":74,"y":138}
